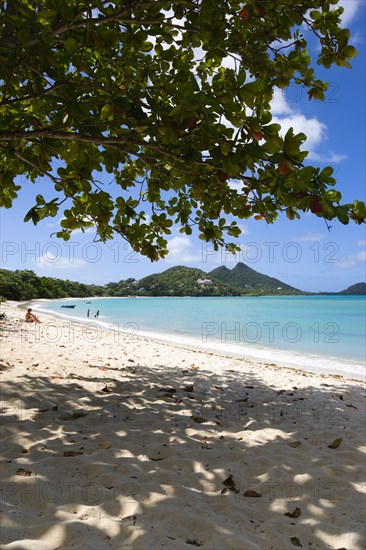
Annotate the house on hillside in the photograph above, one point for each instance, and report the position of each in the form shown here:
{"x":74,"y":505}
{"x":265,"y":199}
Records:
{"x":204,"y":282}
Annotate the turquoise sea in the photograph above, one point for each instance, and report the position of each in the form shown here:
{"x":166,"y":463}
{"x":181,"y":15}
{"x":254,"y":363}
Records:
{"x":321,"y":333}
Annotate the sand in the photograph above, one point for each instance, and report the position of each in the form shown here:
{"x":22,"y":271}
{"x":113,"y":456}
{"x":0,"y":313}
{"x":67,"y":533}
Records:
{"x":120,"y":442}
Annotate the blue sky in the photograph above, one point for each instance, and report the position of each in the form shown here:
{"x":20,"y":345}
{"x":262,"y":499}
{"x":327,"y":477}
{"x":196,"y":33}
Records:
{"x":302,"y":253}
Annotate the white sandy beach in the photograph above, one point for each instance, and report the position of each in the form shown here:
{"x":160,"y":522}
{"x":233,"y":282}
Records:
{"x":120,"y":442}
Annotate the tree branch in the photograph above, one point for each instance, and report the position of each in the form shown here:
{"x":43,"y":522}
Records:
{"x":27,"y":161}
{"x":35,"y":95}
{"x":117,"y":17}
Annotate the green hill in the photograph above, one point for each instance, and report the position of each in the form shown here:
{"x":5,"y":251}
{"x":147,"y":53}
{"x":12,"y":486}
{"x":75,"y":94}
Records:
{"x":357,"y":289}
{"x":249,"y":281}
{"x":183,"y":281}
{"x":24,"y":285}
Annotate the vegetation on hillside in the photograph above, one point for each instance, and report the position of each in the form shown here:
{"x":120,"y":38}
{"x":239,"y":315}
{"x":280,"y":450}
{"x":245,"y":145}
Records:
{"x":184,"y":281}
{"x":250,"y":281}
{"x":24,"y":285}
{"x":356,"y":289}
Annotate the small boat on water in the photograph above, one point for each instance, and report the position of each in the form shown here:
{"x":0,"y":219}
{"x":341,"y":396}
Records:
{"x":69,"y":306}
{"x":86,"y":302}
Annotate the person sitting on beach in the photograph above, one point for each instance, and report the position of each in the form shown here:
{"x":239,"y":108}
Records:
{"x":30,"y":317}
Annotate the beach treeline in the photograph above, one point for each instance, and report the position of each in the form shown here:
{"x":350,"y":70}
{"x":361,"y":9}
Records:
{"x":23,"y":285}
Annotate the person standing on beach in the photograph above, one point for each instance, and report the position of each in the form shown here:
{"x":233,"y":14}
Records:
{"x":88,"y":313}
{"x":97,"y":314}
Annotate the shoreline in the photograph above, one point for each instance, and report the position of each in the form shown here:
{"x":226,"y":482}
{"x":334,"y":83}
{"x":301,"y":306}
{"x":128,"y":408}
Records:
{"x":90,"y":325}
{"x":113,"y":444}
{"x":261,"y":354}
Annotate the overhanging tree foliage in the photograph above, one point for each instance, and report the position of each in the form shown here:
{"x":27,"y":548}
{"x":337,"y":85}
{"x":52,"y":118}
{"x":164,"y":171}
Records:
{"x":171,"y":99}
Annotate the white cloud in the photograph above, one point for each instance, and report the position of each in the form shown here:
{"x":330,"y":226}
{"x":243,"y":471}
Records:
{"x":352,"y":261}
{"x":332,"y":157}
{"x":236,"y":185}
{"x":180,"y":251}
{"x":279,"y":105}
{"x":49,"y":260}
{"x":86,"y":230}
{"x":350,"y":10}
{"x":311,"y":237}
{"x":361,"y":243}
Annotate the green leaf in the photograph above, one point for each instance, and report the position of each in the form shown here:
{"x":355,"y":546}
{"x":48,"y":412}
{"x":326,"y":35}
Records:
{"x":314,"y":14}
{"x":225,"y":148}
{"x":291,"y":147}
{"x":251,"y":91}
{"x":71,"y":45}
{"x":349,"y":52}
{"x":326,"y":173}
{"x":146,"y":47}
{"x":307,"y":174}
